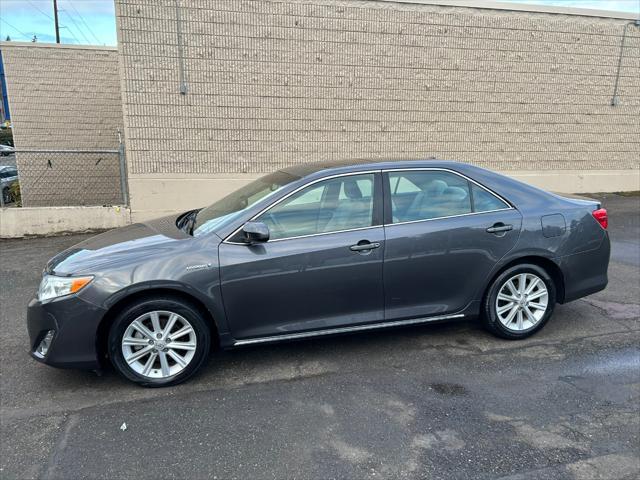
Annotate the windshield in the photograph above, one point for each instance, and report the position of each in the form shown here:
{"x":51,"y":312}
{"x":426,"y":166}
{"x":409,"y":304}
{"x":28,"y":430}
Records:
{"x":227,"y":209}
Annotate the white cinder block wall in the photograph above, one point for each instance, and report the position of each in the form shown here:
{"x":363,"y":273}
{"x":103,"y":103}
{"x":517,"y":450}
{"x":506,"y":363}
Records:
{"x":64,"y":97}
{"x":273,"y":83}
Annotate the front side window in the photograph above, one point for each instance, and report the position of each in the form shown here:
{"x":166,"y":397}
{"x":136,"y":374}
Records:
{"x":236,"y":203}
{"x":332,"y":205}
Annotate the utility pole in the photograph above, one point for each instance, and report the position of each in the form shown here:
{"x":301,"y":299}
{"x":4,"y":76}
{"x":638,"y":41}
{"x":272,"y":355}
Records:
{"x":55,"y":20}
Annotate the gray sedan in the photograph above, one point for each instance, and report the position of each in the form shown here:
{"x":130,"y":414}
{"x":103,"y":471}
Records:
{"x":316,"y":250}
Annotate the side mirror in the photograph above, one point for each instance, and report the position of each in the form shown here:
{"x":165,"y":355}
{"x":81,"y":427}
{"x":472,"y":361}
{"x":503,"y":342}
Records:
{"x":255,"y":232}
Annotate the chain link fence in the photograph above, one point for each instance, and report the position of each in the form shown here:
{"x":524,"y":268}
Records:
{"x":67,"y":178}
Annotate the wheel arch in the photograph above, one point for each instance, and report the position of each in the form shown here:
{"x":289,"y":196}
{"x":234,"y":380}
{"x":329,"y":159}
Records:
{"x":545,"y":263}
{"x":138,"y":295}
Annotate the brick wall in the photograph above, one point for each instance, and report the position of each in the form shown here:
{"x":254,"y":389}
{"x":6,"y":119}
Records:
{"x":273,"y":83}
{"x":64,"y":97}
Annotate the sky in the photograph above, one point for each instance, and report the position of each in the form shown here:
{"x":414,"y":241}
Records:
{"x":92,"y":22}
{"x":629,"y":6}
{"x":86,"y":22}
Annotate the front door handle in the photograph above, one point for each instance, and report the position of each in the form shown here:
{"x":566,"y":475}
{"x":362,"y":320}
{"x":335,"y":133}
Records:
{"x":499,"y":227}
{"x":362,"y":246}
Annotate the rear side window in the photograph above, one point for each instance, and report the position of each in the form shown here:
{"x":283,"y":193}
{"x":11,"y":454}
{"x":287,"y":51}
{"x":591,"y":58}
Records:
{"x":423,"y":195}
{"x":428,"y":194}
{"x":402,"y":184}
{"x":484,"y":201}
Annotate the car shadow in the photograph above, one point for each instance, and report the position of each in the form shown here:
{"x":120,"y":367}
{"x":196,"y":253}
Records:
{"x":305,"y":358}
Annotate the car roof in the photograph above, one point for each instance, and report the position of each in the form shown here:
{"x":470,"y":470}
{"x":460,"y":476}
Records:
{"x":306,"y":169}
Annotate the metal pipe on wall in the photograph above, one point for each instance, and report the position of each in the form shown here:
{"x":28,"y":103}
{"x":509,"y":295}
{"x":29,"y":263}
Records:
{"x":181,"y":68}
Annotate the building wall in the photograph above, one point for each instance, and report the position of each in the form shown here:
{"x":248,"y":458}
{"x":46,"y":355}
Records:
{"x":274,"y":83}
{"x":64,"y":97}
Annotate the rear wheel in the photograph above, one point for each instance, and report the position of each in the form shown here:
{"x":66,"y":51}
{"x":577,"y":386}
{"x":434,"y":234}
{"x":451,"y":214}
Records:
{"x":159,"y":342}
{"x":519,"y":302}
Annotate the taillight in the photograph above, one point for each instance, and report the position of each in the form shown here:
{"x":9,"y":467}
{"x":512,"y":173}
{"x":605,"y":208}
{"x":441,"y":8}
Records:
{"x":601,"y":216}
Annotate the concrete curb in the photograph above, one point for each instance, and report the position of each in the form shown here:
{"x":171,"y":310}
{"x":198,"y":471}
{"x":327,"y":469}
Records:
{"x":28,"y":221}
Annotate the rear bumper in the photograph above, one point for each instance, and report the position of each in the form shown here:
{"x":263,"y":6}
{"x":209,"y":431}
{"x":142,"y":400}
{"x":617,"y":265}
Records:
{"x":585,"y":273}
{"x":75,"y":324}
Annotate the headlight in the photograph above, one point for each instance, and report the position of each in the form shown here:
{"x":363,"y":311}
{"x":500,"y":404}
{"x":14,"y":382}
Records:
{"x":52,"y":286}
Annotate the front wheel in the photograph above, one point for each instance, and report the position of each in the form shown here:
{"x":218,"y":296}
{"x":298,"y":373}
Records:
{"x":159,"y":342}
{"x":519,"y":302}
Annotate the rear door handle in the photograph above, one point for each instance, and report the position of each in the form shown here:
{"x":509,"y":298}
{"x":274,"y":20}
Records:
{"x":364,"y":246}
{"x":499,"y":227}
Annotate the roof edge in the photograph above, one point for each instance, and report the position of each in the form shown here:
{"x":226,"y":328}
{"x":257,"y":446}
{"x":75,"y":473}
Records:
{"x":523,"y":7}
{"x":69,"y":46}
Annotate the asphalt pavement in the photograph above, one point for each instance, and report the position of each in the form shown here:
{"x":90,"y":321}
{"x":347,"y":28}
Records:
{"x":437,"y":401}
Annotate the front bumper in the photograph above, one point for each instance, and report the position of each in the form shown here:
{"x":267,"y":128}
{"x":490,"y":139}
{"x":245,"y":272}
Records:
{"x":75,"y":324}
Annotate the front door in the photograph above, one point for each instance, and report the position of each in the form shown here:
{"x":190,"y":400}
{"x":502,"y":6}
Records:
{"x":444,"y":235}
{"x":321,"y":268}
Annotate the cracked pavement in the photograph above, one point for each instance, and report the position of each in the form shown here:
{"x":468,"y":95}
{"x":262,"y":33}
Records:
{"x":437,"y":401}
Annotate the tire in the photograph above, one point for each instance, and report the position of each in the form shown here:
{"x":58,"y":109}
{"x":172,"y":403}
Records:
{"x":166,"y":361}
{"x":6,"y":196}
{"x":512,"y":316}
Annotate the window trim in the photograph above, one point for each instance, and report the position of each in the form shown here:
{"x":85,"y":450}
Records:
{"x":388,"y":215}
{"x":377,"y":195}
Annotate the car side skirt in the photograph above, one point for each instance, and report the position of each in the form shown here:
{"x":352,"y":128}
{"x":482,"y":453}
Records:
{"x":337,"y":331}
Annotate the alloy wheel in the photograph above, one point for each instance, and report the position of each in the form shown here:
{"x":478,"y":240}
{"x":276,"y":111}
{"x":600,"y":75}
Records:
{"x":159,"y":344}
{"x":522,"y":301}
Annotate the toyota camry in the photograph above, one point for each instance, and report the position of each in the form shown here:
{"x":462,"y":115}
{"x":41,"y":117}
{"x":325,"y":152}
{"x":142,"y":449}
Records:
{"x":313,"y":250}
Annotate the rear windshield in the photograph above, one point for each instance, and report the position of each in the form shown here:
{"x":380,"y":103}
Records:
{"x":227,"y":209}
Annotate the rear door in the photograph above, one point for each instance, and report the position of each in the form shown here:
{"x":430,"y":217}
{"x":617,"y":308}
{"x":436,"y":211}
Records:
{"x":444,"y":234}
{"x":321,"y":268}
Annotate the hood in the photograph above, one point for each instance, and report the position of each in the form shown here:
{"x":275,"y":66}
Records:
{"x":136,"y":242}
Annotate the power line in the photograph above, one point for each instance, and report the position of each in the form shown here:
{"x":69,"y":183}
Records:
{"x":38,"y":9}
{"x":72,"y":34}
{"x":83,"y":21}
{"x":54,"y":18}
{"x":75,"y":37}
{"x":76,"y":25}
{"x":15,"y":28}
